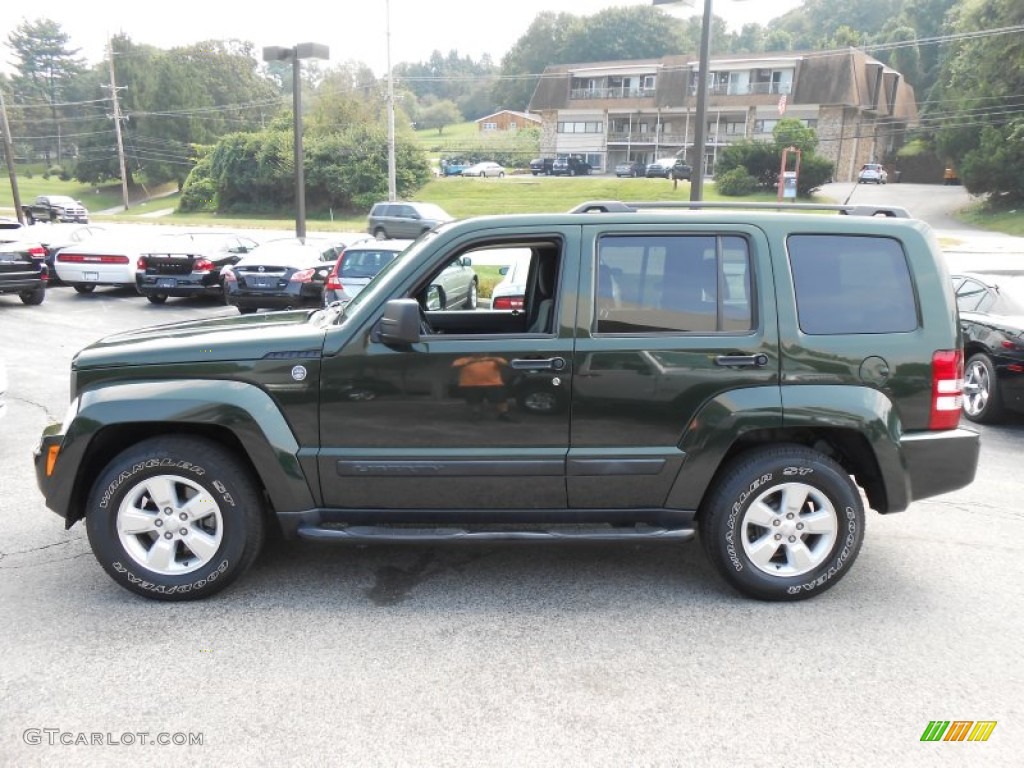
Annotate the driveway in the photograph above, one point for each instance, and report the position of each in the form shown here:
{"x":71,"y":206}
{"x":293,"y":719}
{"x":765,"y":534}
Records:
{"x":964,"y":246}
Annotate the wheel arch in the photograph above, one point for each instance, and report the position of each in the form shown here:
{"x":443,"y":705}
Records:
{"x":113,"y":418}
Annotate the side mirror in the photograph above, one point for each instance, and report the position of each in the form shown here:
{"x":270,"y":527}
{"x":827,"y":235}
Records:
{"x":502,"y":271}
{"x":466,"y":261}
{"x":400,"y":323}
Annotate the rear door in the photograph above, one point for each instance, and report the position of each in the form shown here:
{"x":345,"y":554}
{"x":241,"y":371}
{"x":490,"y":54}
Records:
{"x":673,"y":321}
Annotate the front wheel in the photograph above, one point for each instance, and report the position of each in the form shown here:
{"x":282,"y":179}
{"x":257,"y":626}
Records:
{"x":783,"y":523}
{"x":982,"y":403}
{"x":174,"y":518}
{"x":380,"y":234}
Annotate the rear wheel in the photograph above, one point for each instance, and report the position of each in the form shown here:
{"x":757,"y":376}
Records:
{"x":982,"y":403}
{"x":246,"y":310}
{"x":156,"y":298}
{"x":473,"y":296}
{"x":33,"y":297}
{"x":85,"y":288}
{"x":380,"y":234}
{"x":175,"y":518}
{"x":783,"y":523}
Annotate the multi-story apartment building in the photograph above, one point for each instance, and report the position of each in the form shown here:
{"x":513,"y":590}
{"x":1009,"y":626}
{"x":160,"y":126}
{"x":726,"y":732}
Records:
{"x":610,"y":112}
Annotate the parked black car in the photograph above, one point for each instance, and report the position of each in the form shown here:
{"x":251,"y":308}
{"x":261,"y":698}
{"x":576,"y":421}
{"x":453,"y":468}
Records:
{"x":542,"y":166}
{"x":188,"y":264}
{"x":991,"y":308}
{"x":22,"y":267}
{"x":570,"y":166}
{"x":282,"y":274}
{"x":669,"y":168}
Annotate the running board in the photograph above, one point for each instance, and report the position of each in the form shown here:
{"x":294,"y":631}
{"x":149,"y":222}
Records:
{"x":386,"y":533}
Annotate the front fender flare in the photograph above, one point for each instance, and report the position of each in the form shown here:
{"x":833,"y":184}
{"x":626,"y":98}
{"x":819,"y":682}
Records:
{"x":246,"y":411}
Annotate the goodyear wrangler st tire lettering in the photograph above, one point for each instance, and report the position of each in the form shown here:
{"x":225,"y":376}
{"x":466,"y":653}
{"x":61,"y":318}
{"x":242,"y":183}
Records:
{"x":174,"y":528}
{"x":783,"y":523}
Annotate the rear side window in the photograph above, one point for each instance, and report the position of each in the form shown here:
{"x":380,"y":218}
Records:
{"x":674,"y":283}
{"x":851,"y":284}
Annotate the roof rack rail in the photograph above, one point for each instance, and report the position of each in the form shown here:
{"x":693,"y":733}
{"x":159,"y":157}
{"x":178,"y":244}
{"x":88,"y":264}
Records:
{"x":617,"y":206}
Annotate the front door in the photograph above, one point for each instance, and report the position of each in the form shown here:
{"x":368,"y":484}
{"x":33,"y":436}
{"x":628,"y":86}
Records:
{"x":475,"y":415}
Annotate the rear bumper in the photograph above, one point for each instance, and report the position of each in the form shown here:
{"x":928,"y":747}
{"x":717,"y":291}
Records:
{"x":940,"y":462}
{"x":177,"y":286}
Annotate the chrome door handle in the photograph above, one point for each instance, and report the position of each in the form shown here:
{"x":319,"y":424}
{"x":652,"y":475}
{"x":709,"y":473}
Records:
{"x":549,"y":364}
{"x":742,"y":361}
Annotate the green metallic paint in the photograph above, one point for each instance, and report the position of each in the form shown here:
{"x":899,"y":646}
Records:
{"x":247,"y":412}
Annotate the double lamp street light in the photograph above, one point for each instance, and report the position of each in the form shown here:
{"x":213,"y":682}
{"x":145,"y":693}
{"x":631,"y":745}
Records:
{"x":295,"y":54}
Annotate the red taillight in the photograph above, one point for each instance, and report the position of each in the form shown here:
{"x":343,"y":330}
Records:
{"x":947,"y":388}
{"x":78,"y":258}
{"x":37,"y":252}
{"x":202,"y":265}
{"x":141,"y":263}
{"x":333,"y":283}
{"x":303,"y":276}
{"x":508,"y":302}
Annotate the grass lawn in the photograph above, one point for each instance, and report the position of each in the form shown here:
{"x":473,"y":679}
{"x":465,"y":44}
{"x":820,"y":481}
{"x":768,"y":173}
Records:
{"x":1010,"y":222}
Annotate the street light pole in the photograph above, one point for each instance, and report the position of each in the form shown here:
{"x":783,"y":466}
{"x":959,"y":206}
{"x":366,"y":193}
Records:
{"x":700,"y":131}
{"x":295,"y":54}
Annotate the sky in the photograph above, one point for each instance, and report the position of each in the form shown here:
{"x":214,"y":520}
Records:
{"x":352,"y":30}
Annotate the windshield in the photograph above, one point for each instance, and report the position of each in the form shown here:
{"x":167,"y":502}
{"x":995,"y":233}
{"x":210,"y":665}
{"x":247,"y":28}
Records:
{"x":388,"y":275}
{"x":365,"y":263}
{"x":1011,"y":294}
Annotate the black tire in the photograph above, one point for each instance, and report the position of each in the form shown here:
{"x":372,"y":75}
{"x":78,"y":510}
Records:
{"x":30,"y":218}
{"x":380,"y":233}
{"x":472,"y":298}
{"x":983,"y":403}
{"x":501,"y":174}
{"x":231,"y":525}
{"x":572,"y":172}
{"x":84,"y":288}
{"x":745,"y":513}
{"x":246,"y":310}
{"x":157,"y":298}
{"x":33,"y":298}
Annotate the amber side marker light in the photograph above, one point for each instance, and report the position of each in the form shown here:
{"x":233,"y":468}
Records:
{"x":51,"y":458}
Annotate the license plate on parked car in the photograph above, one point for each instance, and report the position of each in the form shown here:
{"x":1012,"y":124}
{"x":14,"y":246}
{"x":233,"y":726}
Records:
{"x":94,"y":276}
{"x":166,"y":282}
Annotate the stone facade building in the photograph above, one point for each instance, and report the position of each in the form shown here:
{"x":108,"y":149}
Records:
{"x":610,"y":112}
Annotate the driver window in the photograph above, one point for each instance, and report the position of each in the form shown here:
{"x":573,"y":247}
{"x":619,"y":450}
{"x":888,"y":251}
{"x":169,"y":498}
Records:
{"x":497,"y":288}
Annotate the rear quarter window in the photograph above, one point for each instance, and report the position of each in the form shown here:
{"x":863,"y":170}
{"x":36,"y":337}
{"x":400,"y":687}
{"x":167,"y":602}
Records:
{"x":848,"y":284}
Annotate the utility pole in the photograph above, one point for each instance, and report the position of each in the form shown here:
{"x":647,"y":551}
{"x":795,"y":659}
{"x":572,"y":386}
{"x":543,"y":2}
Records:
{"x":117,"y":127}
{"x":9,"y":155}
{"x":392,"y":165}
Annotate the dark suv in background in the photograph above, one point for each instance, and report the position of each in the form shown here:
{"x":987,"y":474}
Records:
{"x":570,"y":166}
{"x":404,"y":220}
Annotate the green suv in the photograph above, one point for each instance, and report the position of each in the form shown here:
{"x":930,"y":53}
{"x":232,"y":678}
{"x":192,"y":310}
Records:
{"x":754,"y":377}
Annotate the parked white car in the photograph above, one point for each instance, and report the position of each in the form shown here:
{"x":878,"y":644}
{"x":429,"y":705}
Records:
{"x":102,"y":260}
{"x":872,"y":173}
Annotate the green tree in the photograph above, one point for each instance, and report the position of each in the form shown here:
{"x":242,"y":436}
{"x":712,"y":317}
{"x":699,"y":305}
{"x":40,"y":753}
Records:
{"x":980,"y":124}
{"x":45,"y":68}
{"x":634,"y":32}
{"x":439,"y":115}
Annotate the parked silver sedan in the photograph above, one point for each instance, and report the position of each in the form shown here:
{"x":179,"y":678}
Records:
{"x":484,"y":169}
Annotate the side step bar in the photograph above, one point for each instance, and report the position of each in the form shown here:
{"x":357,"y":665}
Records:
{"x":386,"y":533}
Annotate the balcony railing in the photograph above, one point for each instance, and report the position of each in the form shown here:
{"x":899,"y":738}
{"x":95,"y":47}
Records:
{"x":729,"y":89}
{"x":611,"y":93}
